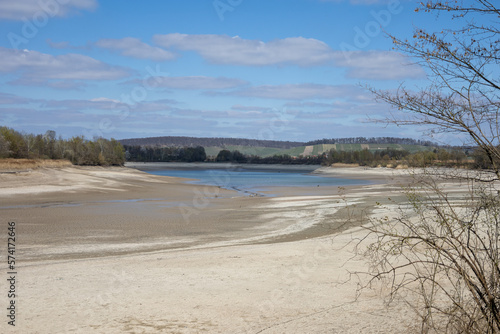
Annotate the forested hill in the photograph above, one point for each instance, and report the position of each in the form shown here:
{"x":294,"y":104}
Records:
{"x":373,"y":140}
{"x":206,"y":142}
{"x":170,"y":141}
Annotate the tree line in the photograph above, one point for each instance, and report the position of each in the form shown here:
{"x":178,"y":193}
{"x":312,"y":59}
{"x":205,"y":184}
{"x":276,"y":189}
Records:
{"x":373,"y":140}
{"x":164,"y":154}
{"x":385,"y":158}
{"x":197,"y":154}
{"x":393,"y":157}
{"x":78,"y":150}
{"x":173,"y":141}
{"x":284,"y":159}
{"x":180,"y":142}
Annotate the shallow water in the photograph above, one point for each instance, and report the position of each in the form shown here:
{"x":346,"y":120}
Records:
{"x":255,"y":180}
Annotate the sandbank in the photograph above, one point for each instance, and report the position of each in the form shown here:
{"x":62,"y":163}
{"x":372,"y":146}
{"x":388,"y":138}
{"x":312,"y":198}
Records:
{"x":117,"y":250}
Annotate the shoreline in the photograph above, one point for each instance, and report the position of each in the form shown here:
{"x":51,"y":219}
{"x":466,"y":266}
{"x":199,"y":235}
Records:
{"x":114,"y":210}
{"x":214,"y":165}
{"x":96,"y":240}
{"x":353,"y":173}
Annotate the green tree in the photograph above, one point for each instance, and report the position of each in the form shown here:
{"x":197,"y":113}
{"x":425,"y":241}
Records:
{"x":17,"y":146}
{"x":117,"y":153}
{"x":224,"y":156}
{"x":237,"y":156}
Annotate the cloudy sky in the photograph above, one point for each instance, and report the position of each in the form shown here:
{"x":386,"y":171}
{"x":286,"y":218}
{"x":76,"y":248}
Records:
{"x":265,"y":69}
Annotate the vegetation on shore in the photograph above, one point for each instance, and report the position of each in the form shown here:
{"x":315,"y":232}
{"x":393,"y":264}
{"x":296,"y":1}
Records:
{"x":180,"y":142}
{"x":385,"y":158}
{"x":77,"y":150}
{"x":10,"y":164}
{"x":173,"y":141}
{"x":104,"y":152}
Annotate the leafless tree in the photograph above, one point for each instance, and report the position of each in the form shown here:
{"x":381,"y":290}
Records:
{"x":4,"y":147}
{"x":29,"y":142}
{"x":441,"y":252}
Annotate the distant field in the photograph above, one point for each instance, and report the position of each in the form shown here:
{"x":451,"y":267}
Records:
{"x":246,"y":150}
{"x":294,"y":152}
{"x":417,"y":148}
{"x":316,"y":149}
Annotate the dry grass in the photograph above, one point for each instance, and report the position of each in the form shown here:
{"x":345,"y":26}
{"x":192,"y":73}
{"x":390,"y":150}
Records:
{"x":402,"y":167}
{"x":343,"y":165}
{"x":21,"y":164}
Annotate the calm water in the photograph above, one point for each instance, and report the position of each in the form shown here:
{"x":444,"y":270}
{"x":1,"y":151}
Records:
{"x":257,"y":179}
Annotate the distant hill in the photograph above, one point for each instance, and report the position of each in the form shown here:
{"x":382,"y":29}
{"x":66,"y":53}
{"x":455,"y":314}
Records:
{"x":318,"y":149}
{"x":267,"y":148}
{"x":372,"y":140}
{"x":207,"y":142}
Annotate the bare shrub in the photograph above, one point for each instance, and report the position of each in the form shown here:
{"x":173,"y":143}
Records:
{"x":441,"y":253}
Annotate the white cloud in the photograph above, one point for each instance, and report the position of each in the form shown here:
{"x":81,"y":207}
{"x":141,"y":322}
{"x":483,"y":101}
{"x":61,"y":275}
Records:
{"x":6,"y":98}
{"x":35,"y":68}
{"x":19,"y":9}
{"x":108,"y":104}
{"x":58,"y":45}
{"x":67,"y":45}
{"x":78,"y":105}
{"x":57,"y":84}
{"x":198,"y":82}
{"x":248,"y":108}
{"x":379,"y":65}
{"x":133,"y":47}
{"x":297,"y":91}
{"x":104,"y":99}
{"x":223,"y":49}
{"x":308,"y":104}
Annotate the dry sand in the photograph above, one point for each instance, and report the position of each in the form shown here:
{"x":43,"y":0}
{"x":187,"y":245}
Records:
{"x":116,"y":250}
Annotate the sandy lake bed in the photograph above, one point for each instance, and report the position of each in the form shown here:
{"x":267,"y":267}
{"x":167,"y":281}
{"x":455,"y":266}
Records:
{"x":117,"y":250}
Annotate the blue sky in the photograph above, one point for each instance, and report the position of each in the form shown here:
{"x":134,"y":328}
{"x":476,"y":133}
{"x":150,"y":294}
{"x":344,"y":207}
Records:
{"x":264,"y":69}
